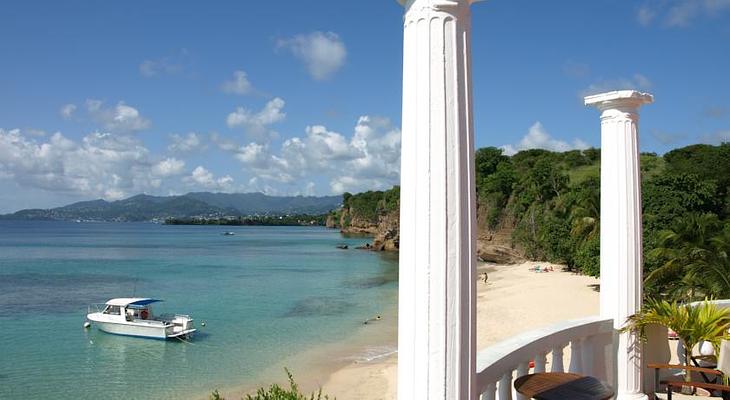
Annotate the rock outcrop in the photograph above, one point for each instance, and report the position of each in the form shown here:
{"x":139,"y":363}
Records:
{"x":373,"y":214}
{"x":331,"y":222}
{"x":497,"y":254}
{"x":387,"y":233}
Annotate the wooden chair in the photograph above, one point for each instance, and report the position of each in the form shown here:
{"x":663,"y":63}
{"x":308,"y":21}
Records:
{"x":721,"y":392}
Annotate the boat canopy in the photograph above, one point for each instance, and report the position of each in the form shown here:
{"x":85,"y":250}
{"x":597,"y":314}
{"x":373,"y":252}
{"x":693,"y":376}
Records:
{"x":133,"y":302}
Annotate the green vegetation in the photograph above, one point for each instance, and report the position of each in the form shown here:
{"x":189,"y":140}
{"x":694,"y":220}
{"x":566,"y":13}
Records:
{"x":550,"y":202}
{"x":552,"y":198}
{"x":276,"y":392}
{"x":703,"y":322}
{"x":368,"y":206}
{"x":686,"y":226}
{"x":262,"y":220}
{"x":554,"y":201}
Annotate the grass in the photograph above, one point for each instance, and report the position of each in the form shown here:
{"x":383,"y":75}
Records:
{"x":276,"y":392}
{"x":581,"y":174}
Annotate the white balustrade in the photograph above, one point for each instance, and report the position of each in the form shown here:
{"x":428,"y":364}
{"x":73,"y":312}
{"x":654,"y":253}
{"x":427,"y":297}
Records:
{"x":489,"y":392}
{"x":522,"y":369}
{"x":557,"y":359}
{"x":576,"y":348}
{"x":505,"y":386}
{"x":499,"y":364}
{"x":540,"y":361}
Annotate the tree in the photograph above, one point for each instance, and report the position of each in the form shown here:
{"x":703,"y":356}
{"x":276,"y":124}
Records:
{"x":587,"y":212}
{"x":486,"y":161}
{"x":708,"y":163}
{"x":690,"y":259}
{"x":588,"y":256}
{"x":671,"y":196}
{"x":592,"y":154}
{"x":346,"y":199}
{"x":494,"y":191}
{"x":703,"y":322}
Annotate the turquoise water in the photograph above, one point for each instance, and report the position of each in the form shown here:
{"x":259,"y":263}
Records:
{"x":265,"y":294}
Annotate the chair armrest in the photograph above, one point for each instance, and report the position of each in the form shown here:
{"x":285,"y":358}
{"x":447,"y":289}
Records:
{"x":686,"y":368}
{"x":712,"y":386}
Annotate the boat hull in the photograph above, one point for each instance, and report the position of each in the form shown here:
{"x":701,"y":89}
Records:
{"x":154,"y":332}
{"x":147,"y":329}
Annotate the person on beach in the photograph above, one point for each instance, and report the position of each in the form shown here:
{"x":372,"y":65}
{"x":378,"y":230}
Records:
{"x":377,"y":318}
{"x":485,"y":277}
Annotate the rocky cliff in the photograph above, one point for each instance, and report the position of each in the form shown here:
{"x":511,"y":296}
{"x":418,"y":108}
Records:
{"x":372,"y":213}
{"x":374,"y":218}
{"x":496,"y":244}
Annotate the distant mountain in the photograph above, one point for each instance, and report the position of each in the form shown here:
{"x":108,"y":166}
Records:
{"x":145,"y":208}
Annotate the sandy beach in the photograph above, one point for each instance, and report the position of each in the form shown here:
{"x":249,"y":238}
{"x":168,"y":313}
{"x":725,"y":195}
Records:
{"x":513,"y":300}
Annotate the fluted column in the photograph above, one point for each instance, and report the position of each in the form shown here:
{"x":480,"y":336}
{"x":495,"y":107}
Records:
{"x":621,"y":234}
{"x":437,"y":318}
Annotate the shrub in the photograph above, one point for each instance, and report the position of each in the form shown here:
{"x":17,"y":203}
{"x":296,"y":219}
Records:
{"x":276,"y":392}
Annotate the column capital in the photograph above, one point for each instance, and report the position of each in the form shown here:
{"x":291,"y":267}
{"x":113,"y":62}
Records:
{"x":623,"y":100}
{"x":437,"y":4}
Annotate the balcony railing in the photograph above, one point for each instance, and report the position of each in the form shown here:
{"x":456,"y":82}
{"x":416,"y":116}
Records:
{"x":586,"y":343}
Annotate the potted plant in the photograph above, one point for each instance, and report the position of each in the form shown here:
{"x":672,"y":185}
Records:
{"x":693,"y":324}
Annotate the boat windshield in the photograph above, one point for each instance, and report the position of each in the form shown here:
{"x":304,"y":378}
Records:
{"x":112,"y":310}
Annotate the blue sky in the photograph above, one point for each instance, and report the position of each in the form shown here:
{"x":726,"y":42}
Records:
{"x":112,"y":99}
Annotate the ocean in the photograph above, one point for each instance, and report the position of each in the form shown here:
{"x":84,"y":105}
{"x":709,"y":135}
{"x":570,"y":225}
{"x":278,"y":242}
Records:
{"x":270,"y":297}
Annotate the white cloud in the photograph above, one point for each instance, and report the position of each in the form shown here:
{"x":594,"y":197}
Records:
{"x":576,"y":69}
{"x":118,"y":119}
{"x":638,"y":82}
{"x":99,"y":165}
{"x":257,"y":124}
{"x":238,"y":85}
{"x":668,"y":138}
{"x":322,"y":53}
{"x":716,"y":138}
{"x":715,"y":111}
{"x":310,"y":189}
{"x":253,"y":154}
{"x":680,"y":13}
{"x":369,"y":159}
{"x":168,"y":167}
{"x":151,"y":68}
{"x":34,"y":132}
{"x":201,"y":177}
{"x":645,"y":15}
{"x":183,"y":144}
{"x":170,"y":65}
{"x":538,"y":138}
{"x":223,"y":143}
{"x":67,"y":111}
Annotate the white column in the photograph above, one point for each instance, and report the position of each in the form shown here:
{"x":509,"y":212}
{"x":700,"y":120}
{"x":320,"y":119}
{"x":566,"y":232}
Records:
{"x":621,"y":235}
{"x":437,"y":318}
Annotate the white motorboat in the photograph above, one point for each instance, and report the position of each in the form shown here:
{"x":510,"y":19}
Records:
{"x":134,"y":317}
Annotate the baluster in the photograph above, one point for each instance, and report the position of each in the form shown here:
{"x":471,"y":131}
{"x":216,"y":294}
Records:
{"x":576,"y":356}
{"x":587,"y":356}
{"x":505,"y":386}
{"x":522,"y":369}
{"x":557,"y":359}
{"x":540,"y":360}
{"x":488,"y":393}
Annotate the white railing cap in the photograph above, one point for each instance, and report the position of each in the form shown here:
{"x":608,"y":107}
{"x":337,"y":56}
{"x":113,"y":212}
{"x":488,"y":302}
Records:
{"x":725,"y":303}
{"x":496,"y":359}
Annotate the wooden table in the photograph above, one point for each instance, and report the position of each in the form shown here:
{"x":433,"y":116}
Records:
{"x":561,"y":386}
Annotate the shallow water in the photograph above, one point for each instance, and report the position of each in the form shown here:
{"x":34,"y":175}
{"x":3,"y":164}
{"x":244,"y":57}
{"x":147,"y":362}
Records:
{"x":265,"y":294}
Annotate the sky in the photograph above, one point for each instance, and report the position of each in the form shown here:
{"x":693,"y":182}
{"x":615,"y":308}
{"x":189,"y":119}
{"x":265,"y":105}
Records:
{"x":113,"y":99}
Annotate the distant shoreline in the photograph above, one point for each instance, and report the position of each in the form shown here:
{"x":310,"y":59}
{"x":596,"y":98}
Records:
{"x":237,"y":221}
{"x":276,"y":220}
